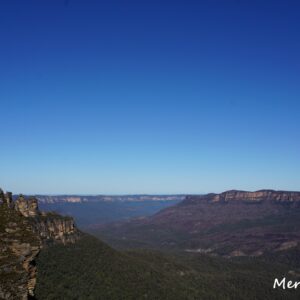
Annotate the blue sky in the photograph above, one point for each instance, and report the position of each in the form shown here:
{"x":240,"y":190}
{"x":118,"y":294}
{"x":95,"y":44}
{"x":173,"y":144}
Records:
{"x":149,"y":97}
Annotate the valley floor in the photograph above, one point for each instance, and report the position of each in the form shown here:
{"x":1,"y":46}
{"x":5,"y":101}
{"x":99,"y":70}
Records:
{"x":89,"y":269}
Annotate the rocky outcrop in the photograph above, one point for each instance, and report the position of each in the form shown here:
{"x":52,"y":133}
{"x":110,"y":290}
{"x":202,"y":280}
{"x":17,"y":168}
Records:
{"x":24,"y":231}
{"x":27,"y":208}
{"x":26,"y":252}
{"x":6,"y":198}
{"x":54,"y":228}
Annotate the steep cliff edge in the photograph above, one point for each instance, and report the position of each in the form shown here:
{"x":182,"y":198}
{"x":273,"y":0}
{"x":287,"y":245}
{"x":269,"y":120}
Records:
{"x":258,"y":196}
{"x":24,"y":231}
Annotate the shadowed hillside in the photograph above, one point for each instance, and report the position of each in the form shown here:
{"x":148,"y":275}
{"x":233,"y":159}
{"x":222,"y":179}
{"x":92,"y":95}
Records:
{"x":233,"y":223}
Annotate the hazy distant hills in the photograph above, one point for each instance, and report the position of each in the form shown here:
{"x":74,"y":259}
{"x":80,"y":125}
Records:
{"x":233,"y":223}
{"x":47,"y":199}
{"x":89,"y":211}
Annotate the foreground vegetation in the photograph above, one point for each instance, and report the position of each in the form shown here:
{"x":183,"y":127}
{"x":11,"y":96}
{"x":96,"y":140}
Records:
{"x":89,"y":269}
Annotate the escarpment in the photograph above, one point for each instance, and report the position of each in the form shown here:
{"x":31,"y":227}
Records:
{"x":24,"y":231}
{"x":258,"y":196}
{"x":229,"y":224}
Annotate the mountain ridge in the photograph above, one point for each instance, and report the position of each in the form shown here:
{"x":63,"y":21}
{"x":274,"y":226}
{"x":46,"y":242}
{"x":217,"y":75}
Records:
{"x":233,"y":223}
{"x":240,"y":195}
{"x":74,"y":198}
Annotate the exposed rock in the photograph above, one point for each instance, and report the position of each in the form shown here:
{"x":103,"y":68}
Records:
{"x":53,"y":227}
{"x":33,"y":207}
{"x":287,"y":245}
{"x":24,"y":231}
{"x":8,"y":199}
{"x":27,"y":207}
{"x":258,"y":196}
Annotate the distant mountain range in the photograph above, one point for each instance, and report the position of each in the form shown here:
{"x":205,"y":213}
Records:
{"x":105,"y":198}
{"x":233,"y":223}
{"x":90,"y":211}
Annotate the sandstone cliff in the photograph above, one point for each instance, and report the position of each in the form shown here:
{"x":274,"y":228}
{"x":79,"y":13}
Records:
{"x":24,"y":231}
{"x":258,"y":196}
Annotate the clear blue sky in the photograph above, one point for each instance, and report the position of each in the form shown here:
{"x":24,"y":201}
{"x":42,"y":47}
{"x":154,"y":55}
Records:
{"x":149,"y":96}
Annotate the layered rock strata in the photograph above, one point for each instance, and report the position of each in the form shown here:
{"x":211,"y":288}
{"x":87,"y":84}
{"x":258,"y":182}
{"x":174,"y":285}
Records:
{"x":258,"y":196}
